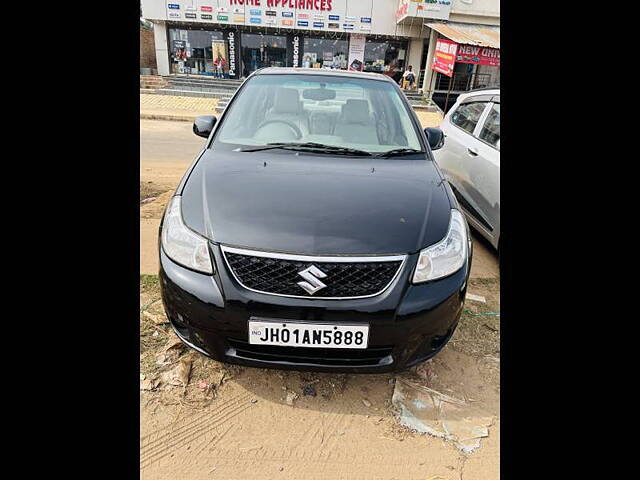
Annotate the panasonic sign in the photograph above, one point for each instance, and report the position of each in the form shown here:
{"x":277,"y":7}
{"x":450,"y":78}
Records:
{"x":232,"y":54}
{"x":296,"y":51}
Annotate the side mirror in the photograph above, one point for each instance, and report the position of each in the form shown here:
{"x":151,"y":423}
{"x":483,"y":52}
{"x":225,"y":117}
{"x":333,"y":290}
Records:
{"x":203,"y":125}
{"x":435,"y":136}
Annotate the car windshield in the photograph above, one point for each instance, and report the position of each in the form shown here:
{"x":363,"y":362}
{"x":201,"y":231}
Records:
{"x":360,"y":114}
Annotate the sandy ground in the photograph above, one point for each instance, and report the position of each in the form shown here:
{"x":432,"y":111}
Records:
{"x":227,"y":422}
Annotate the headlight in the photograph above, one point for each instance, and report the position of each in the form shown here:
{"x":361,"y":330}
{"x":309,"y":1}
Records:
{"x":445,"y":257}
{"x":182,"y":245}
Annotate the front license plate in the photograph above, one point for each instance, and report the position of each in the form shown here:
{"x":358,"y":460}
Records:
{"x":313,"y":335}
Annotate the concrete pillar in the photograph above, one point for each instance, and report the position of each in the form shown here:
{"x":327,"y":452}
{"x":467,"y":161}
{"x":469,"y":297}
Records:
{"x":428,"y":73}
{"x":162,"y":47}
{"x":415,"y":55}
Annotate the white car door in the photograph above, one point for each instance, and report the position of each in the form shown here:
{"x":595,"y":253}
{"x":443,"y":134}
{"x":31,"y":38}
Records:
{"x":483,"y":172}
{"x":460,"y":147}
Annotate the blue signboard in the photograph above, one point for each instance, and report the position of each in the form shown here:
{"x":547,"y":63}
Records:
{"x":334,"y":17}
{"x":303,"y":23}
{"x":287,"y":14}
{"x":318,"y":24}
{"x":174,"y":6}
{"x":255,"y":12}
{"x":255,"y":20}
{"x":365,"y":19}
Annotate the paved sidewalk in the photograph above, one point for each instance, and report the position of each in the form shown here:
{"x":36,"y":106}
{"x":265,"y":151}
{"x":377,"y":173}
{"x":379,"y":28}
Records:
{"x":173,"y":107}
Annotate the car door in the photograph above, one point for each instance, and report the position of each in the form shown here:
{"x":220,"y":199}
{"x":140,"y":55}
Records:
{"x":461,"y":147}
{"x":483,"y":171}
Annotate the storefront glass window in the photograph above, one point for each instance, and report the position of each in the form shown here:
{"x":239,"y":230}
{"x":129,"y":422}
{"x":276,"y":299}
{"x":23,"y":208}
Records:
{"x":385,"y":56}
{"x":259,"y":51}
{"x":325,"y":53}
{"x":191,"y":50}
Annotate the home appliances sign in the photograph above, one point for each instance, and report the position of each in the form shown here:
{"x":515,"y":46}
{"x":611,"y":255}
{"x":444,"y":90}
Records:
{"x":320,"y":5}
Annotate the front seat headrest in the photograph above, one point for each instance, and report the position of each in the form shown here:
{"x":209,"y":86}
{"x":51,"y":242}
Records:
{"x":356,"y":111}
{"x":287,"y":100}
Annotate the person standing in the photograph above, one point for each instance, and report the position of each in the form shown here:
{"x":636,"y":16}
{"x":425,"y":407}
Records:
{"x":408,"y":78}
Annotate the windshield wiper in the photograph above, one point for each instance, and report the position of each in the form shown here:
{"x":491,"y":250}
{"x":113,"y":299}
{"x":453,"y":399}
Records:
{"x":313,"y":146}
{"x":396,"y":152}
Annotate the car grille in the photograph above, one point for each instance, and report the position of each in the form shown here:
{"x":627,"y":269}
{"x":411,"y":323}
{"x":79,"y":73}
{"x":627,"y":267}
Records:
{"x":344,"y":279}
{"x":372,"y":356}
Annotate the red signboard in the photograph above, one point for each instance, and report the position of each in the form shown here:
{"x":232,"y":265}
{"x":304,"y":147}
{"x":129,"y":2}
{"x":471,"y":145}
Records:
{"x":444,"y":58}
{"x":478,"y":55}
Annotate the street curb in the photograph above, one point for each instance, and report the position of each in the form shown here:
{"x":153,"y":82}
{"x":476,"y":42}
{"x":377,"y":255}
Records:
{"x":173,"y":118}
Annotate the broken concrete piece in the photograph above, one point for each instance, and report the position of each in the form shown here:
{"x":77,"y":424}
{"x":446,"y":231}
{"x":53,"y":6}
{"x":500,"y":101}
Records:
{"x":476,"y":298}
{"x":428,"y":411}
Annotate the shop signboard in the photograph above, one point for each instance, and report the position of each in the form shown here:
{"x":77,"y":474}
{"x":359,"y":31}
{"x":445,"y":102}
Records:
{"x":356,"y":52}
{"x":478,"y":55}
{"x":435,"y":9}
{"x":233,"y":49}
{"x":444,"y":57}
{"x":294,"y":50}
{"x":318,"y":10}
{"x":319,"y":15}
{"x":204,"y":16}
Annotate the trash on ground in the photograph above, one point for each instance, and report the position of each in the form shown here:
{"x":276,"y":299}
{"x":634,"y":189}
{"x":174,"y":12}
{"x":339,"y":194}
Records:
{"x":429,"y":411}
{"x":309,"y":391}
{"x":149,"y":384}
{"x":476,"y":298}
{"x":291,"y":396}
{"x":155,"y":318}
{"x":178,"y":375}
{"x":170,"y":352}
{"x":366,"y":402}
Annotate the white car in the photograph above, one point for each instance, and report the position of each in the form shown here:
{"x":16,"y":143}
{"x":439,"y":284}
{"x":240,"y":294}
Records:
{"x":470,"y":159}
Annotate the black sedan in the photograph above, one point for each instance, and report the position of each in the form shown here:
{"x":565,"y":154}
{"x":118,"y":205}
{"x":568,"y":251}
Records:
{"x":314,"y":231}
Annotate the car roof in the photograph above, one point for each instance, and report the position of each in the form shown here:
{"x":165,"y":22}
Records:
{"x":322,"y":71}
{"x":478,"y":92}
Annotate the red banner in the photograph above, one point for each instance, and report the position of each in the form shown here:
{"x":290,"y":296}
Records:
{"x":478,"y":55}
{"x":444,"y":58}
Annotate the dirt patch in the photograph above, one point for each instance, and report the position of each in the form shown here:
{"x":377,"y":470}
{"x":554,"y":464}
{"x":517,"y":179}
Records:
{"x":155,"y":208}
{"x":149,"y":191}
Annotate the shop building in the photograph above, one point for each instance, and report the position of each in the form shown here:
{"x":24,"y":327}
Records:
{"x":233,"y":38}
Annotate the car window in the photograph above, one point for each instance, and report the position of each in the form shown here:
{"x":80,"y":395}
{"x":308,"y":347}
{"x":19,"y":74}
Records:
{"x":490,"y":132}
{"x":467,"y":115}
{"x":358,"y":113}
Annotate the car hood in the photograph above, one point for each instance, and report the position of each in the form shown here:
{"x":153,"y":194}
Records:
{"x":284,"y":201}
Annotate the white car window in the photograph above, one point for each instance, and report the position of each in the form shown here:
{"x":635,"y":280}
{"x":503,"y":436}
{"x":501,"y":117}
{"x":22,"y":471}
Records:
{"x":467,"y":115}
{"x":490,"y":132}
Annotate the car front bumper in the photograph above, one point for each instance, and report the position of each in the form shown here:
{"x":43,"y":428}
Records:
{"x":407,"y":323}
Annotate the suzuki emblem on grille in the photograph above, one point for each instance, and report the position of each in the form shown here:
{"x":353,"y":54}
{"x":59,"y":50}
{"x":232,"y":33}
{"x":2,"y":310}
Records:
{"x":312,"y":276}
